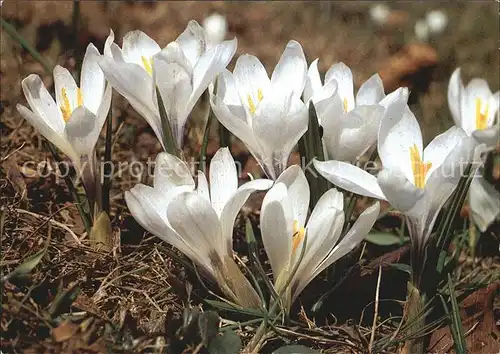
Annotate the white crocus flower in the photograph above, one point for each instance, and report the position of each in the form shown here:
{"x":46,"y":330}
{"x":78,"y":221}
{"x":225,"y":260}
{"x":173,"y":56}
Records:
{"x":216,"y":27}
{"x":474,"y":108}
{"x":484,"y":202}
{"x":415,"y":181}
{"x":74,"y":120}
{"x":380,"y":13}
{"x":350,"y":125}
{"x":181,"y":71}
{"x":283,"y":225}
{"x":267,"y":115}
{"x":198,"y":222}
{"x":437,"y":20}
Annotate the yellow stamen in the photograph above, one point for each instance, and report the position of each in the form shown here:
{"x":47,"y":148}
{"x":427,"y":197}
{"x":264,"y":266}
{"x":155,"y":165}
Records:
{"x":345,"y":105}
{"x":481,"y":117}
{"x":79,"y":97}
{"x":419,"y":167}
{"x":298,"y":235}
{"x":260,"y":96}
{"x":65,"y":107}
{"x":251,"y":105}
{"x":148,"y":64}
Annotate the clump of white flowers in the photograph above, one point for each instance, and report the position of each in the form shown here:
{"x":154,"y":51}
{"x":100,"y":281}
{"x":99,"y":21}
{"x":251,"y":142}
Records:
{"x":269,"y":115}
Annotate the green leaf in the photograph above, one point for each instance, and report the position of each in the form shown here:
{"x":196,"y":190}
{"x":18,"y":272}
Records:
{"x":401,"y":266}
{"x":63,"y":301}
{"x":28,"y":265}
{"x":384,"y":239}
{"x":457,"y":330}
{"x":226,"y":343}
{"x":295,"y":349}
{"x":208,"y":325}
{"x":228,"y":307}
{"x":311,"y":147}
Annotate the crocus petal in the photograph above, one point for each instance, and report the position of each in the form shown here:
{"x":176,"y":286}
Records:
{"x":343,"y":75}
{"x":235,"y":203}
{"x":174,"y":84}
{"x":298,"y":191}
{"x":48,"y":132}
{"x":103,"y":109}
{"x":171,"y":172}
{"x":202,"y":186}
{"x":322,"y":233}
{"x":289,"y":75}
{"x":399,"y":191}
{"x":441,"y":146}
{"x":276,"y":222}
{"x":210,"y":64}
{"x":355,"y":235}
{"x":194,"y":219}
{"x":313,"y":82}
{"x":111,"y":49}
{"x":173,"y":53}
{"x":137,"y":47}
{"x":350,"y":178}
{"x":81,"y":131}
{"x":324,"y":228}
{"x":371,"y":92}
{"x":359,"y":133}
{"x":475,"y":89}
{"x":440,"y":185}
{"x":488,"y":136}
{"x":42,"y":103}
{"x":223,"y":179}
{"x":227,"y":108}
{"x":92,"y":80}
{"x":328,"y":105}
{"x":133,"y":83}
{"x":250,"y":78}
{"x":65,"y":87}
{"x":193,"y":42}
{"x":484,"y":202}
{"x":278,"y":125}
{"x":455,"y":97}
{"x":397,"y":135}
{"x":148,"y":206}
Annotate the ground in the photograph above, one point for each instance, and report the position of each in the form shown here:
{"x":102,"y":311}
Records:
{"x":133,"y":298}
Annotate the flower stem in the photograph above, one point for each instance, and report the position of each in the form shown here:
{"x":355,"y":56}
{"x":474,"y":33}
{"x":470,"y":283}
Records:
{"x":106,"y":168}
{"x":71,"y":187}
{"x":206,"y":135}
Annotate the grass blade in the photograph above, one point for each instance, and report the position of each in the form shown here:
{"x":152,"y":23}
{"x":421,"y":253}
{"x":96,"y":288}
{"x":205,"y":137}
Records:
{"x":11,"y":31}
{"x":456,"y":327}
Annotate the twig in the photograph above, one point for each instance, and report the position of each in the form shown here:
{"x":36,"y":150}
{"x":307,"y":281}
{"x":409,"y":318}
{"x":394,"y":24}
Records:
{"x":51,"y":221}
{"x":377,"y":293}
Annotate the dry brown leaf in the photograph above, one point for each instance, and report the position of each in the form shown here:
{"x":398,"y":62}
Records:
{"x":478,"y":318}
{"x":409,"y":60}
{"x":64,"y":331}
